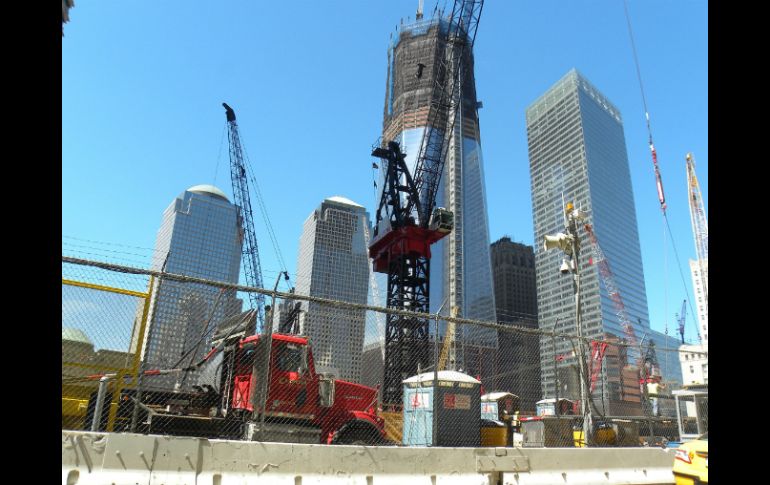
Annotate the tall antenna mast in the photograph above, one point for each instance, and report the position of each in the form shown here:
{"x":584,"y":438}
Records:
{"x":419,"y":10}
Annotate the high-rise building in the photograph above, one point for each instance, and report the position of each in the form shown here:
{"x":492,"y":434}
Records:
{"x":199,"y":236}
{"x":577,"y":153}
{"x":460,"y":270}
{"x":333,"y":263}
{"x":693,"y":359}
{"x":518,"y":356}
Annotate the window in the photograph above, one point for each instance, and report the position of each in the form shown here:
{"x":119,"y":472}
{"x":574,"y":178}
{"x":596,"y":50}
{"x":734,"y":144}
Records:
{"x":289,"y":358}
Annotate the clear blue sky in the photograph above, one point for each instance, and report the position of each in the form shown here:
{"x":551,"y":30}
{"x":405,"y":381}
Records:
{"x":143,"y":83}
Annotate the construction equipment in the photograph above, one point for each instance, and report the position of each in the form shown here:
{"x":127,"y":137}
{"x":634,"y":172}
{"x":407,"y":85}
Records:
{"x":648,"y":374}
{"x":613,"y":291}
{"x":251,"y":263}
{"x":448,"y":347}
{"x":407,"y":224}
{"x":680,"y":318}
{"x":595,"y":365}
{"x":301,"y":405}
{"x":700,"y":227}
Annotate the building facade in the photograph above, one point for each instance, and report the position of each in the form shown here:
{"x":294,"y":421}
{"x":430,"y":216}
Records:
{"x":199,"y":236}
{"x":461,"y":274}
{"x":518,"y":356}
{"x":333,"y":263}
{"x":577,"y":153}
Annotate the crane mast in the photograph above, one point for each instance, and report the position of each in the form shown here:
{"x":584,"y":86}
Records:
{"x":681,"y":318}
{"x":700,"y":228}
{"x":613,"y":291}
{"x":406,"y":223}
{"x":250,"y":251}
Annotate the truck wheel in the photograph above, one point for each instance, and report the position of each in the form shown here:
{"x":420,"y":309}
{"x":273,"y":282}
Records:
{"x":358,"y":437}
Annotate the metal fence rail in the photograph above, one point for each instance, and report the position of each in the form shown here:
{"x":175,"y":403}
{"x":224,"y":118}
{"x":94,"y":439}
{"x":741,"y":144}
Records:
{"x":179,"y":355}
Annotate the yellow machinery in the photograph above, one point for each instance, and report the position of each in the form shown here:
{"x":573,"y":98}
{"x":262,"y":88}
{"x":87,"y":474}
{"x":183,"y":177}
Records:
{"x":500,"y":418}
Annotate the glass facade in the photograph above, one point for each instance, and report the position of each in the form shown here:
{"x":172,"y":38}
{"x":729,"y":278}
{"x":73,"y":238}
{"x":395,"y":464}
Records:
{"x":461,"y":274}
{"x":333,"y":263}
{"x":577,"y":153}
{"x":199,"y":237}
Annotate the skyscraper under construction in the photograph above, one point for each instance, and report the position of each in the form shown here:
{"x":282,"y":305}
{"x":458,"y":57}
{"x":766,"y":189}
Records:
{"x":461,"y":275}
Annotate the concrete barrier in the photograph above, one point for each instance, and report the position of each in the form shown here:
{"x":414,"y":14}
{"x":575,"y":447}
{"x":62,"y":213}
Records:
{"x":128,"y":459}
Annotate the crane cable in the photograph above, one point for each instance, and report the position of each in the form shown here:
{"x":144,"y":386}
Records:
{"x":658,"y":179}
{"x":265,"y":216}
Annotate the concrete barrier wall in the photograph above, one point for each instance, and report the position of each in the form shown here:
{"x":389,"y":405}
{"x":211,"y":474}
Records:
{"x":128,"y":459}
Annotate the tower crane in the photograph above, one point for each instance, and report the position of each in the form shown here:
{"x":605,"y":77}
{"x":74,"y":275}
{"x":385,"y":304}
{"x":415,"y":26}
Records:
{"x":250,"y":251}
{"x":700,"y":227}
{"x":407,"y":223}
{"x":612,"y":289}
{"x":634,"y":352}
{"x":681,"y":318}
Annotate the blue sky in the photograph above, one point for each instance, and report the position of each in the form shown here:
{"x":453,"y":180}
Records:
{"x":142,"y":119}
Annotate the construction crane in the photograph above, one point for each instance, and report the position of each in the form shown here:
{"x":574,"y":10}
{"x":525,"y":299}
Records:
{"x":250,"y":251}
{"x":447,"y":348}
{"x":407,"y":223}
{"x":598,"y":348}
{"x":647,"y":371}
{"x":700,"y":227}
{"x":680,"y":318}
{"x":612,"y":289}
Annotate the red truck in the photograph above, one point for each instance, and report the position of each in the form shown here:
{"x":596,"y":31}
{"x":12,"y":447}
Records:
{"x":302,"y":406}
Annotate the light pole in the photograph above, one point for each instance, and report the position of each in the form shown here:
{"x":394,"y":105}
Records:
{"x":569,"y":243}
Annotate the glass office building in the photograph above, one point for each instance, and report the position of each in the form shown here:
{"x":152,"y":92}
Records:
{"x":461,"y":274}
{"x":577,"y":153}
{"x":333,"y":263}
{"x":200,"y":237}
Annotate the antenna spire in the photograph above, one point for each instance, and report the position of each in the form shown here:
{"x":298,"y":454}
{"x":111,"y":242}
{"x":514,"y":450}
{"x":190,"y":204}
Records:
{"x":418,"y":16}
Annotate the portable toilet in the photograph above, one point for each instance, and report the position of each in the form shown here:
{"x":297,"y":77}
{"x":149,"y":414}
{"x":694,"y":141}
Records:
{"x":457,"y":411}
{"x":499,"y":418}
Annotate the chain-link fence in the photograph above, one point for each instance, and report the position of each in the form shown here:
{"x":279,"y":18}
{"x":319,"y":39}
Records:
{"x":159,"y":353}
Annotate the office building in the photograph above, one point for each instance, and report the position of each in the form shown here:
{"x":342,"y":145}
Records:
{"x":577,"y":153}
{"x":199,"y":236}
{"x":518,"y":356}
{"x":460,"y":270}
{"x":333,"y":263}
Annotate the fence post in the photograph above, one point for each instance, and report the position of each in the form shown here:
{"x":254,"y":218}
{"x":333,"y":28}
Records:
{"x":99,"y":403}
{"x":435,"y":385}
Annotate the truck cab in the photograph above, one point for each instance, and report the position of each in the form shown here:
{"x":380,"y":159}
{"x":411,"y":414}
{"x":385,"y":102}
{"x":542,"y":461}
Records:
{"x":298,"y":396}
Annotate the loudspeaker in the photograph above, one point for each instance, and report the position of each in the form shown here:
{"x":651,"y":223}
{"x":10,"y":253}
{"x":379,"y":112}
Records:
{"x":560,"y":241}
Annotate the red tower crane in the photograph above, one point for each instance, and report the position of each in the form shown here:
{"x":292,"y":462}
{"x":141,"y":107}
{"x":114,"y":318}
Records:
{"x":646,"y":363}
{"x":406,"y":223}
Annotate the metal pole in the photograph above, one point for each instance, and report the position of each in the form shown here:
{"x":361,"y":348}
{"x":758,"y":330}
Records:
{"x":99,"y":403}
{"x":141,"y":348}
{"x":584,"y":393}
{"x":435,"y":385}
{"x":555,"y":367}
{"x":435,"y":376}
{"x":267,"y":339}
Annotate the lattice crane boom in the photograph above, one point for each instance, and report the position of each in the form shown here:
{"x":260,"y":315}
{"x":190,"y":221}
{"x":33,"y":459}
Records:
{"x":681,"y":319}
{"x":250,"y":250}
{"x":612,"y":289}
{"x":700,"y":228}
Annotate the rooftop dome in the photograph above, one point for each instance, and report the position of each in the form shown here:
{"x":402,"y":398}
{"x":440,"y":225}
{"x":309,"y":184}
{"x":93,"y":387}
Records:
{"x":75,"y":335}
{"x":343,"y":200}
{"x":208,"y":189}
{"x":443,"y":375}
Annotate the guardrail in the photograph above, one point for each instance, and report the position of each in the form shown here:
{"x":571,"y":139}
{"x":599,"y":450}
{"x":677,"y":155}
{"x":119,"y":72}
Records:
{"x":124,"y":458}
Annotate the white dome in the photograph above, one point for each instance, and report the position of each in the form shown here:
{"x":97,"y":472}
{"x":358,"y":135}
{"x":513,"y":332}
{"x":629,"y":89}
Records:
{"x":443,"y":375}
{"x":343,"y":200}
{"x":208,"y":189}
{"x":75,"y":335}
